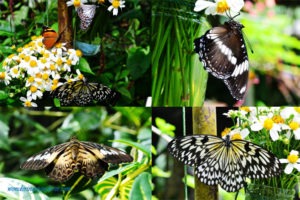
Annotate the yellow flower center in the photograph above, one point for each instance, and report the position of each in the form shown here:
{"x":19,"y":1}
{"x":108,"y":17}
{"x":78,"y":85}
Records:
{"x":59,"y":61}
{"x":222,"y":6}
{"x":53,"y":87}
{"x":81,"y":77}
{"x":20,"y":49}
{"x":15,"y":70}
{"x":278,"y":119}
{"x":76,"y":3}
{"x":2,"y":75}
{"x":292,"y":158}
{"x":45,"y":76}
{"x":33,"y":89}
{"x":27,"y":58}
{"x":38,"y":75}
{"x":78,"y":53}
{"x":55,"y":81}
{"x":294,"y":125}
{"x":31,"y":79}
{"x":297,"y":109}
{"x":52,"y":67}
{"x":43,"y":60}
{"x":245,"y":108}
{"x":268,"y":124}
{"x":225,"y":132}
{"x":27,"y":103}
{"x":236,"y":136}
{"x":69,"y":62}
{"x":116,"y":3}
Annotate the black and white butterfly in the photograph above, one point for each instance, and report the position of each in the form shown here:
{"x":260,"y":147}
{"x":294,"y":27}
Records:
{"x":86,"y":14}
{"x":224,"y":161}
{"x":223,"y":53}
{"x":81,"y":93}
{"x":62,"y":161}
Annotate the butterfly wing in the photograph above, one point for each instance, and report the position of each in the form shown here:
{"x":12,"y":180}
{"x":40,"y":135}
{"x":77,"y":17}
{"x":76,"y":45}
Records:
{"x":223,"y":53}
{"x":44,"y":158}
{"x":86,"y":14}
{"x":50,"y":37}
{"x":104,"y":94}
{"x":65,"y":93}
{"x":224,"y":162}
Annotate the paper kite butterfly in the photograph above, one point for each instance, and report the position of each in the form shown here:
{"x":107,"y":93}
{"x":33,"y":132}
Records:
{"x":62,"y":161}
{"x":50,"y":37}
{"x":81,"y":93}
{"x":223,"y":53}
{"x":224,"y":161}
{"x":86,"y":14}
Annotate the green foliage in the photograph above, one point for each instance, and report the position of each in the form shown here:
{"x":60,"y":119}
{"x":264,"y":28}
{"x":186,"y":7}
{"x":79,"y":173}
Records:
{"x":26,"y":132}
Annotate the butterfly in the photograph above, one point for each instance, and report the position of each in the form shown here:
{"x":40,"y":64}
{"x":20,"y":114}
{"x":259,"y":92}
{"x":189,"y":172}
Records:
{"x":50,"y":37}
{"x":224,"y":161}
{"x":62,"y":161}
{"x":86,"y":14}
{"x":82,"y":93}
{"x":223,"y":53}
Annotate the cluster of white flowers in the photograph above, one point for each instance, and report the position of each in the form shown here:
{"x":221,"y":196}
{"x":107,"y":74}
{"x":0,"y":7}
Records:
{"x":114,"y":7}
{"x":36,"y":70}
{"x":219,"y":7}
{"x":277,"y":123}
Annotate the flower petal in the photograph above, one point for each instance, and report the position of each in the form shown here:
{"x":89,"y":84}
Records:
{"x":201,"y":5}
{"x":289,"y":168}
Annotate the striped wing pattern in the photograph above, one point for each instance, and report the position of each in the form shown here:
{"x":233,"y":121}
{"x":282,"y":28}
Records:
{"x":62,"y":161}
{"x":81,"y":93}
{"x":224,"y":161}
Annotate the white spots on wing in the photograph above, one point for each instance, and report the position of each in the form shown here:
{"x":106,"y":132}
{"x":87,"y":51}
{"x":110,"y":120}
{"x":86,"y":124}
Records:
{"x":241,"y":68}
{"x":226,"y":51}
{"x":243,"y":89}
{"x":39,"y":157}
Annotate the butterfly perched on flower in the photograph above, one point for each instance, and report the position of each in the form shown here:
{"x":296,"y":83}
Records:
{"x":224,"y":161}
{"x":62,"y":161}
{"x":86,"y":14}
{"x":81,"y":93}
{"x":223,"y":53}
{"x":50,"y":37}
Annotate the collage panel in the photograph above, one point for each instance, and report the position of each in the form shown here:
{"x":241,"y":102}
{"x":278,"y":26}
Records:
{"x":226,"y":153}
{"x":225,"y":53}
{"x":75,"y":53}
{"x":75,"y":153}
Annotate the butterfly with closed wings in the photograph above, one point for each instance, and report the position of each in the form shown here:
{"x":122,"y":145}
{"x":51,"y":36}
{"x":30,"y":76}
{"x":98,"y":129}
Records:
{"x":62,"y":161}
{"x":224,"y":161}
{"x":86,"y":14}
{"x":50,"y":37}
{"x":223,"y":53}
{"x":81,"y":93}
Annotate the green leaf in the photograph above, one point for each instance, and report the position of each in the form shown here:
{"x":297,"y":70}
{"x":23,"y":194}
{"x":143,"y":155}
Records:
{"x":17,"y":189}
{"x":141,"y":189}
{"x":3,"y":95}
{"x":156,"y":171}
{"x":138,"y":61}
{"x":165,"y":127}
{"x":105,"y":187}
{"x":84,"y":66}
{"x":138,"y":146}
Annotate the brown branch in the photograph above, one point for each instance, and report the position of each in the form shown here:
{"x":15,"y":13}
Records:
{"x":65,"y":23}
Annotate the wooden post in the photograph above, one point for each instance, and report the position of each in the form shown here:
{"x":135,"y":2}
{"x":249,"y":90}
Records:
{"x":204,"y":122}
{"x":65,"y":23}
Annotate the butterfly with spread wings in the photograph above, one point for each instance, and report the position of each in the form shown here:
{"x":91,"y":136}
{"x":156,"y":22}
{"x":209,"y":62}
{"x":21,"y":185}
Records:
{"x":62,"y":161}
{"x":223,"y":53}
{"x":224,"y":161}
{"x":81,"y":93}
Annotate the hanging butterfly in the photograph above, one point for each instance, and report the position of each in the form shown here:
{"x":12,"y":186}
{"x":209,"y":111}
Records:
{"x":223,"y":53}
{"x":50,"y":37}
{"x":224,"y":161}
{"x":62,"y":161}
{"x":86,"y":14}
{"x":81,"y":93}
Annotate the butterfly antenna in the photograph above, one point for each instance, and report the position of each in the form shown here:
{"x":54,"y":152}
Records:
{"x":248,"y":42}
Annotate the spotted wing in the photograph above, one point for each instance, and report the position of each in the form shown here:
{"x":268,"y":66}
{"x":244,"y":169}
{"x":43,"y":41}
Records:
{"x":103,"y":94}
{"x":44,"y":158}
{"x":86,"y":14}
{"x":224,"y":162}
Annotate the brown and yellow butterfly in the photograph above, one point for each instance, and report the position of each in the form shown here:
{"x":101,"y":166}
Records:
{"x":50,"y":37}
{"x":88,"y":158}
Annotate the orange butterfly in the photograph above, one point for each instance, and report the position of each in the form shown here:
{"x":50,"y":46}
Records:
{"x":50,"y":37}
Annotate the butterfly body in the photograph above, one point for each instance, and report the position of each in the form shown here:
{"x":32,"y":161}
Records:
{"x":224,"y":161}
{"x":82,"y":93}
{"x":62,"y":161}
{"x":223,"y":53}
{"x":50,"y":37}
